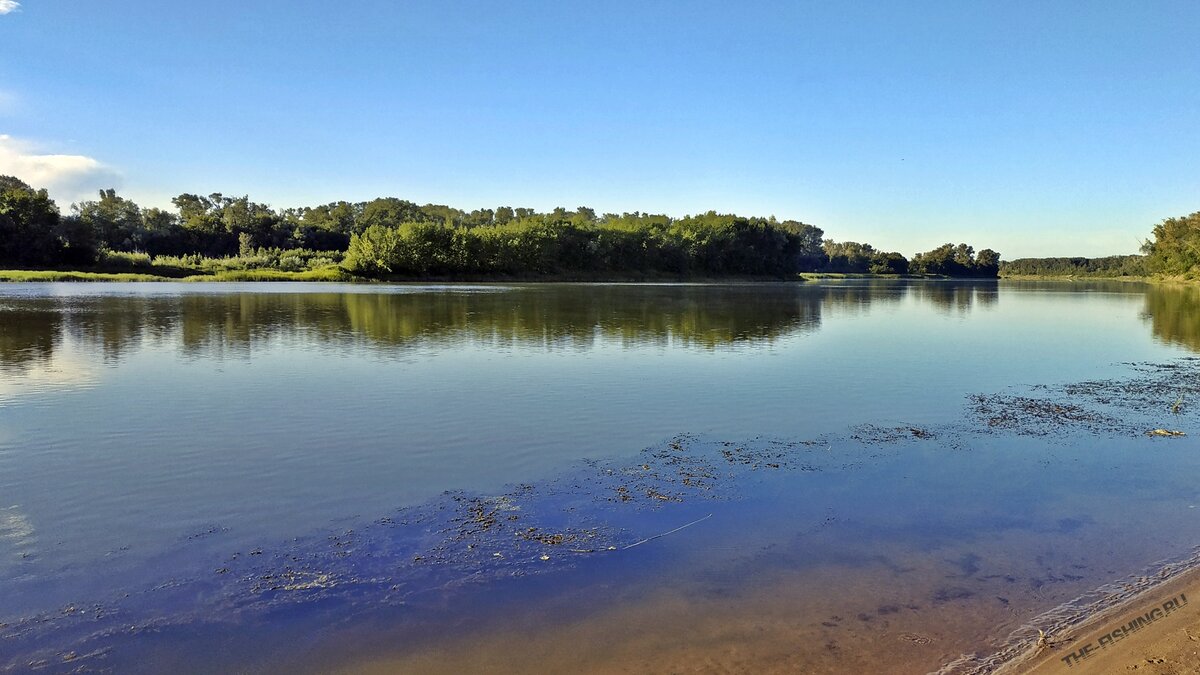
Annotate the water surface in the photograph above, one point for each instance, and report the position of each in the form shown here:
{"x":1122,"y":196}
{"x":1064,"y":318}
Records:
{"x":165,"y":448}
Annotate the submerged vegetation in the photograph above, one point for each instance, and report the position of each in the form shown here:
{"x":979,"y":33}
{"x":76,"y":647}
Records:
{"x":594,"y":516}
{"x":222,"y":237}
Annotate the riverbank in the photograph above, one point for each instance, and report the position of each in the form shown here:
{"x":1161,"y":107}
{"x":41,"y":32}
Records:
{"x":1165,"y":280}
{"x":1156,"y":631}
{"x":1074,"y":277}
{"x":324,"y":274}
{"x":338,"y":274}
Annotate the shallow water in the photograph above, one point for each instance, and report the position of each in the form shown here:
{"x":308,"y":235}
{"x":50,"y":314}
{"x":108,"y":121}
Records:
{"x":276,"y":477}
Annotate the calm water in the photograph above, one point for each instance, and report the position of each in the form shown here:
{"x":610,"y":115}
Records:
{"x":165,"y":448}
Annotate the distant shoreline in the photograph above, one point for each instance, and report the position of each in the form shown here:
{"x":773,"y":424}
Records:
{"x":1083,"y":277}
{"x":335,"y":274}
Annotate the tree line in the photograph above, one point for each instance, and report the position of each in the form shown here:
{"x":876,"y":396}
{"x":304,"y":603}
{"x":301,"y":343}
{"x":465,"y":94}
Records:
{"x":1173,"y":251}
{"x":395,"y":237}
{"x":1108,"y":266}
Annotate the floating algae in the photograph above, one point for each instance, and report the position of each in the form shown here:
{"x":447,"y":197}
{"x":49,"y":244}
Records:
{"x":1119,"y":406}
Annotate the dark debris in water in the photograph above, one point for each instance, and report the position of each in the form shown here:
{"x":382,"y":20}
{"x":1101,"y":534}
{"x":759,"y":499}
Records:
{"x":599,"y":510}
{"x":870,"y":433}
{"x":1152,"y":401}
{"x":1039,"y":416}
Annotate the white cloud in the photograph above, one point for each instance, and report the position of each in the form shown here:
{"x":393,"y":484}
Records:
{"x":7,"y":6}
{"x":68,"y":178}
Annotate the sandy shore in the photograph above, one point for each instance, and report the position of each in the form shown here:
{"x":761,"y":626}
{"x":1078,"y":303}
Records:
{"x":1157,"y":631}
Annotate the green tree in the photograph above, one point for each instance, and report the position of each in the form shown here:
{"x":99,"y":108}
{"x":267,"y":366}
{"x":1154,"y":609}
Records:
{"x":938,"y":261}
{"x":390,"y":212}
{"x":888,"y":263}
{"x":809,"y":240}
{"x":117,"y":221}
{"x":1175,"y":248}
{"x":848,"y":256}
{"x":479,"y":218}
{"x":964,"y":258}
{"x":1109,"y":266}
{"x":376,"y":250}
{"x":32,"y":231}
{"x":987,"y":263}
{"x":956,"y":261}
{"x":198,"y":214}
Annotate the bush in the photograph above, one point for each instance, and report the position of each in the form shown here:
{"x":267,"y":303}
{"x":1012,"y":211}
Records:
{"x":124,"y":259}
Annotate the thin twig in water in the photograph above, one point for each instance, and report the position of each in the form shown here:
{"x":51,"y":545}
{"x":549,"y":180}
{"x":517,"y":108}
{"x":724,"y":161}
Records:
{"x":659,"y":536}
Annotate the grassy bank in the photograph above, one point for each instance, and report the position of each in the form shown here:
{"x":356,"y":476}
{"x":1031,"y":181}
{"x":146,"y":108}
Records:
{"x":60,"y":275}
{"x":324,"y":274}
{"x":333,"y":273}
{"x":1079,"y":277}
{"x":338,"y":274}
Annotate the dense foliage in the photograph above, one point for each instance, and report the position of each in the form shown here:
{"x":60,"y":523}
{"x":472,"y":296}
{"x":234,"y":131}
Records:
{"x":957,"y":261}
{"x":1110,"y":266}
{"x":549,"y":244}
{"x":32,"y":232}
{"x":853,"y":257}
{"x":394,"y":237}
{"x":1175,"y":249}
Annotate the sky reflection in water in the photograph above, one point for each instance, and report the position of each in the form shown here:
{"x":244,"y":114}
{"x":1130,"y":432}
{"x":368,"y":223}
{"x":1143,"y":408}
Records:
{"x":145,"y":428}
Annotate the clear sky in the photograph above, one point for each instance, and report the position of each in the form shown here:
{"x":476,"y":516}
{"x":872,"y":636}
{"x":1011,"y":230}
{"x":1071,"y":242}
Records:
{"x":1034,"y":128}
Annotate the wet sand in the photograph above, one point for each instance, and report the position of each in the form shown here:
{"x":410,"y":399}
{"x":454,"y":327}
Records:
{"x":776,"y":630}
{"x":1156,"y":632}
{"x":896,"y":613}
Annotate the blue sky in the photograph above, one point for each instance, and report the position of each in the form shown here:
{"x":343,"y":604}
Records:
{"x":1035,"y":128}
